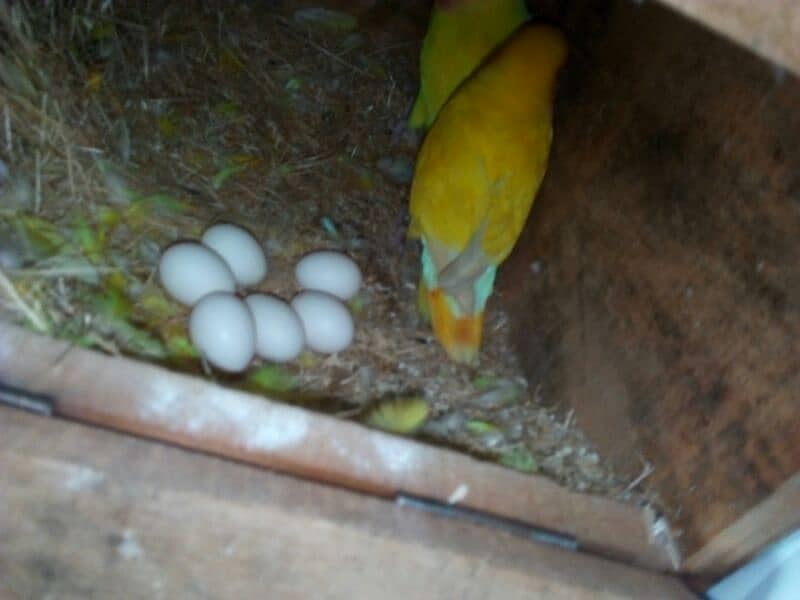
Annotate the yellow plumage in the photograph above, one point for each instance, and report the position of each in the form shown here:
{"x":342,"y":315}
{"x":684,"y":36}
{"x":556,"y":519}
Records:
{"x":461,"y":33}
{"x":477,"y":174}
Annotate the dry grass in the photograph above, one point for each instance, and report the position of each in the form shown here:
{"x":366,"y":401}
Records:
{"x":123,"y":130}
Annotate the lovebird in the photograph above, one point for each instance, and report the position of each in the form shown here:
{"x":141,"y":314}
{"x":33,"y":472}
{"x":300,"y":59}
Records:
{"x":477,"y":174}
{"x":461,"y":33}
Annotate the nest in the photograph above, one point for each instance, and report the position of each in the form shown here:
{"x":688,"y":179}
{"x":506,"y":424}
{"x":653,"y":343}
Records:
{"x":127,"y":126}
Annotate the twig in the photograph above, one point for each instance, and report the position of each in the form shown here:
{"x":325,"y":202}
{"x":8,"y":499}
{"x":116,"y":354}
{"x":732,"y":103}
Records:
{"x":570,"y":415}
{"x":38,"y":197}
{"x":7,"y":126}
{"x":44,"y":120}
{"x":646,"y":472}
{"x":254,"y":195}
{"x":146,"y":56}
{"x":391,"y":92}
{"x":78,"y":271}
{"x":36,"y":320}
{"x":43,"y":110}
{"x":339,"y":59}
{"x":394,"y":47}
{"x":70,"y":173}
{"x":113,"y":19}
{"x":326,"y":52}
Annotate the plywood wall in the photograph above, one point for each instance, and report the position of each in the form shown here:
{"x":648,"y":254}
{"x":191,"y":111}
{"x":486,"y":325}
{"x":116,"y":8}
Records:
{"x":662,"y":261}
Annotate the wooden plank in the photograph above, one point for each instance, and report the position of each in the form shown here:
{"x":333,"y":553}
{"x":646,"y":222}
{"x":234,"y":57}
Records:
{"x":187,"y":411}
{"x":762,"y":525}
{"x":88,"y":513}
{"x":664,"y":306}
{"x":771,"y":29}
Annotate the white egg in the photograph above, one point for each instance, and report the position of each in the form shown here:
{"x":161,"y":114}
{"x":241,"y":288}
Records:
{"x":279,"y":331}
{"x":240,"y":250}
{"x":223,"y":330}
{"x":189,"y":271}
{"x":327,"y":323}
{"x":329,"y":271}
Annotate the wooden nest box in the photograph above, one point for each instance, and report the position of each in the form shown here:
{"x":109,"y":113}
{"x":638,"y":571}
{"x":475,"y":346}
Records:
{"x":656,"y":292}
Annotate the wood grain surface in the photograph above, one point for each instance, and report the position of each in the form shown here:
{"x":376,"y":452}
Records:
{"x":122,"y":394}
{"x":657,"y":287}
{"x":770,"y":29}
{"x":88,"y":513}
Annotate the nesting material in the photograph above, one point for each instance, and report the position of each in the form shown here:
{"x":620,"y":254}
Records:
{"x":164,"y":120}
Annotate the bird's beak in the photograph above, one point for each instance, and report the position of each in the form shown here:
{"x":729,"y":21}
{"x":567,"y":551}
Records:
{"x":459,"y":335}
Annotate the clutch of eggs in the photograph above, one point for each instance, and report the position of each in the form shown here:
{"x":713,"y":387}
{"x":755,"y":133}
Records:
{"x":327,"y":323}
{"x":279,"y":331}
{"x":223,"y":330}
{"x":229,"y":331}
{"x":240,"y":250}
{"x":329,"y":271}
{"x":190,"y":271}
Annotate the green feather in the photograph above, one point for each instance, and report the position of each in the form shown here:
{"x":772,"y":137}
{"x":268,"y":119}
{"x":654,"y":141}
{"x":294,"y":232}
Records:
{"x":430,"y":274}
{"x":483,"y":287}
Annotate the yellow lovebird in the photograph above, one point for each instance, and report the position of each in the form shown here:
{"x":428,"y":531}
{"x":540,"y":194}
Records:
{"x":476,"y":177}
{"x":461,"y":33}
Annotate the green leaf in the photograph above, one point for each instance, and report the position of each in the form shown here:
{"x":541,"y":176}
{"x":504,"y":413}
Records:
{"x":113,"y":303}
{"x":293,"y":84}
{"x":228,"y":108}
{"x":139,"y":341}
{"x":71,"y":267}
{"x":103,"y":30}
{"x":161,"y":203}
{"x":506,"y":393}
{"x":520,"y":459}
{"x":154,"y":305}
{"x":224,"y":174}
{"x":481,"y":427}
{"x":181,"y":346}
{"x":43,"y":236}
{"x":272,"y":378}
{"x":109,"y":217}
{"x":496,"y":391}
{"x":484,"y":382}
{"x":90,"y":243}
{"x":169,"y":125}
{"x":399,"y":415}
{"x":357,"y":304}
{"x":85,"y":341}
